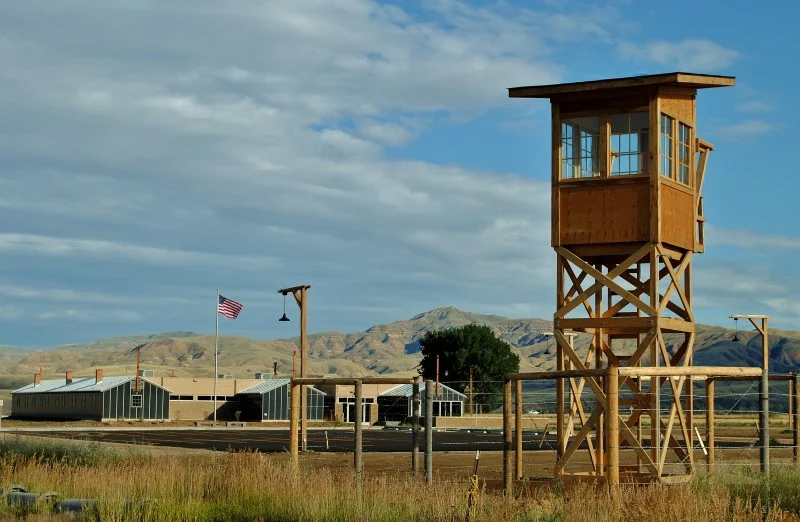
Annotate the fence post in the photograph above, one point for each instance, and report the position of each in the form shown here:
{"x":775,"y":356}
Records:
{"x":518,"y":430}
{"x":358,"y":458}
{"x":795,"y":425}
{"x":764,"y":415}
{"x":294,"y":421}
{"x":429,"y":431}
{"x":710,"y":424}
{"x":612,"y":425}
{"x":507,"y":442}
{"x":415,"y":426}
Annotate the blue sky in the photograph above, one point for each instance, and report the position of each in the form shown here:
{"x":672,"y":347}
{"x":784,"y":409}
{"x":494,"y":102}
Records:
{"x":151,"y":152}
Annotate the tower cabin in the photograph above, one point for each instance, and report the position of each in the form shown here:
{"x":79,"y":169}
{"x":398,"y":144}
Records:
{"x":627,"y":164}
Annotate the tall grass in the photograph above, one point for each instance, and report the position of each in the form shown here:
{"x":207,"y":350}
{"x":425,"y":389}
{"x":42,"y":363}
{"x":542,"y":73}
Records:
{"x":251,"y":486}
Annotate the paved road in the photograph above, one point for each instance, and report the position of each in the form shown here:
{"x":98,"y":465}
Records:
{"x":374,"y":440}
{"x":277,"y":440}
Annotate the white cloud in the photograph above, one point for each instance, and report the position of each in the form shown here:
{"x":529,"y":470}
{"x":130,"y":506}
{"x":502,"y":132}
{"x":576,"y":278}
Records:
{"x":751,"y":239}
{"x":759,"y":106}
{"x":745,"y":129}
{"x":247,"y":142}
{"x":92,"y":248}
{"x":690,"y":55}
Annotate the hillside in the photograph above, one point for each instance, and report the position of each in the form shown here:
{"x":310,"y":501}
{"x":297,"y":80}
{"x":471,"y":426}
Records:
{"x":382,"y":349}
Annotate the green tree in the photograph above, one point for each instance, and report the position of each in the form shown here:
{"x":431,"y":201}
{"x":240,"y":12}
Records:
{"x":471,"y":346}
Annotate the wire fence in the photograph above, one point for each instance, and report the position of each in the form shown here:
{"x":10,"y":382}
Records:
{"x":735,"y":424}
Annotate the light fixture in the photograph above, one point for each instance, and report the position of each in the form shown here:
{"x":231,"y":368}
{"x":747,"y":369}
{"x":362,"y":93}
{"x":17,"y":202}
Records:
{"x":736,"y":334}
{"x":283,"y":317}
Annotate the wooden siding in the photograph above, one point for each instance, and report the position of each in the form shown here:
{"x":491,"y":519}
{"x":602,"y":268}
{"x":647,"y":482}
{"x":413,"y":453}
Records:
{"x":73,"y":406}
{"x":607,"y":211}
{"x":679,"y":106}
{"x":677,"y":216}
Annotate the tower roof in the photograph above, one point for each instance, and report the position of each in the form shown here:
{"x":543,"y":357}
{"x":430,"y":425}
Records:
{"x":674,"y":79}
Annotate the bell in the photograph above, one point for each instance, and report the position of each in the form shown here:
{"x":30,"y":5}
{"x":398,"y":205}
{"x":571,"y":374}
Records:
{"x":284,"y":318}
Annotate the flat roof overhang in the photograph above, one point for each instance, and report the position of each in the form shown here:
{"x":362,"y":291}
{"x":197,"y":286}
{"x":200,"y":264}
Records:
{"x":674,"y":79}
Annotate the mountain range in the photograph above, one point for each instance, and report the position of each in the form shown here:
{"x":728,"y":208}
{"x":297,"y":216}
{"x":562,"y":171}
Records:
{"x":382,"y":349}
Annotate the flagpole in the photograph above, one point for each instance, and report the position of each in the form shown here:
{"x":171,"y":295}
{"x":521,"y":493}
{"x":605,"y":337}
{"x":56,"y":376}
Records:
{"x":216,"y":349}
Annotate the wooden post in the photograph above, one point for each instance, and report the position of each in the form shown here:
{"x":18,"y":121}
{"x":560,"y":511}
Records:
{"x":303,"y":367}
{"x":612,"y":426}
{"x":710,"y":424}
{"x":795,"y":398}
{"x":437,"y":375}
{"x":561,"y":440}
{"x":415,"y":406}
{"x":294,"y":415}
{"x":507,"y":442}
{"x":428,"y":431}
{"x":518,"y":431}
{"x":358,"y":459}
{"x":471,"y":409}
{"x":764,"y":389}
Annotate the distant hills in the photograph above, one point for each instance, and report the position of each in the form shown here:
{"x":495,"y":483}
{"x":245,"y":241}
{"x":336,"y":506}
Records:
{"x":382,"y":349}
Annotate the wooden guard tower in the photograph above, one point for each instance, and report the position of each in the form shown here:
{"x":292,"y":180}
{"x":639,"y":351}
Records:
{"x":627,"y":216}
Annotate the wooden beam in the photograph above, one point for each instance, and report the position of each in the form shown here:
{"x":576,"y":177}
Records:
{"x":619,"y":324}
{"x":352,"y":380}
{"x":607,"y":280}
{"x":591,"y":380}
{"x":613,"y":274}
{"x":537,"y":376}
{"x":612,"y":427}
{"x":579,"y":437}
{"x":706,"y":371}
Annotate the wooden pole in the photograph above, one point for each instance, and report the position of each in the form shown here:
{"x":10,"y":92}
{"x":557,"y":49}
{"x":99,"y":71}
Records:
{"x":560,"y":438}
{"x":518,"y":431}
{"x":294,"y":416}
{"x":437,"y":375}
{"x":304,"y":366}
{"x":358,"y":459}
{"x":471,"y":408}
{"x":507,"y":442}
{"x":764,"y":402}
{"x":612,"y":426}
{"x":428,"y":431}
{"x":710,"y":424}
{"x":415,"y":404}
{"x":795,"y":398}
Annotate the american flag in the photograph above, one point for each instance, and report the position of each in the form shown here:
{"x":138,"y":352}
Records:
{"x":228,"y":307}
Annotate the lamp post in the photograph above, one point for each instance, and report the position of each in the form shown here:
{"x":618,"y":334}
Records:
{"x":300,"y":294}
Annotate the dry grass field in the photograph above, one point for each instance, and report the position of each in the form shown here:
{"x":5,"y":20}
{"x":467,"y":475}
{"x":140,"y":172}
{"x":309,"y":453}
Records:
{"x":144,"y":483}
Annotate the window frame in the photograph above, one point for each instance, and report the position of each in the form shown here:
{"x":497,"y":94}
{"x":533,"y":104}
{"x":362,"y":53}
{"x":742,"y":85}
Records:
{"x":577,"y":161}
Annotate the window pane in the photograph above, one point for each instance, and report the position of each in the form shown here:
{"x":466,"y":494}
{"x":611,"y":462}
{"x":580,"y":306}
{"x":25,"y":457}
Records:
{"x":628,"y":139}
{"x":666,"y":152}
{"x":579,"y":147}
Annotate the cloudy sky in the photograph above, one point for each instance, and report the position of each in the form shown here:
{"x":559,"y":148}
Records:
{"x":153,"y":151}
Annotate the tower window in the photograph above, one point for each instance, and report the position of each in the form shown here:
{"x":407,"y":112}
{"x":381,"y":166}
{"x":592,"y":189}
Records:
{"x":684,"y":154}
{"x":666,"y":154}
{"x":580,"y":139}
{"x":629,"y":143}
